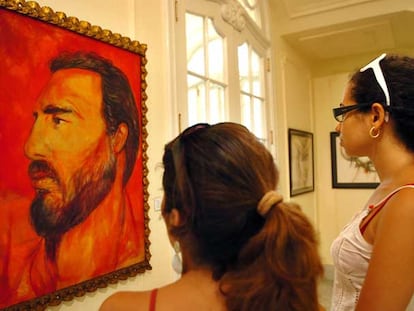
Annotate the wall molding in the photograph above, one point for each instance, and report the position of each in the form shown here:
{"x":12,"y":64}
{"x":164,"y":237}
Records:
{"x":317,"y":7}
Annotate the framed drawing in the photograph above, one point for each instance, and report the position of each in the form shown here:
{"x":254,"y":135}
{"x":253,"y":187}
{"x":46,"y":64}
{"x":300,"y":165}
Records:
{"x":300,"y":162}
{"x":73,"y":186}
{"x":350,"y":172}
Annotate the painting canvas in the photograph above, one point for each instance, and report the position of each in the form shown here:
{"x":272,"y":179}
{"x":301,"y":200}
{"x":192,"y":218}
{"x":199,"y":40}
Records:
{"x":300,"y":161}
{"x":350,"y":172}
{"x":73,"y":186}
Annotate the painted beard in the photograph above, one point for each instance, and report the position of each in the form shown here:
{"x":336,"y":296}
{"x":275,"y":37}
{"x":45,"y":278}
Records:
{"x":51,"y":215}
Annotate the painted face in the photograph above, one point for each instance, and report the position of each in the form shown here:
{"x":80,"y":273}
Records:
{"x":353,"y":129}
{"x":73,"y":167}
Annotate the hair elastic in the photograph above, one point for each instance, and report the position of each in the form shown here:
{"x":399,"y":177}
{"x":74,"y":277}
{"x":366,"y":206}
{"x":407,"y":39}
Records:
{"x":270,"y":199}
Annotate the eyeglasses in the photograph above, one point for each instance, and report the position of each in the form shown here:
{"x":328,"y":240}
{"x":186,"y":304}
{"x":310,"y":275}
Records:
{"x":193,"y":129}
{"x":375,"y":66}
{"x":339,"y":113}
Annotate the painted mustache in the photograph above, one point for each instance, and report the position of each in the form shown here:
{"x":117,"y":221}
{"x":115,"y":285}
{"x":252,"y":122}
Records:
{"x":40,"y":169}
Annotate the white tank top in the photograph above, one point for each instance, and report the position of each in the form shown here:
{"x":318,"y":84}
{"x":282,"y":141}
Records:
{"x":351,"y":254}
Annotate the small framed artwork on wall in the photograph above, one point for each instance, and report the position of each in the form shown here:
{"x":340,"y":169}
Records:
{"x":350,"y":172}
{"x":300,"y":162}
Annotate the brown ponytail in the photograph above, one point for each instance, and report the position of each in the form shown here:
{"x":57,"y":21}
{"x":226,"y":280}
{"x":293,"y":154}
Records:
{"x":278,"y":268}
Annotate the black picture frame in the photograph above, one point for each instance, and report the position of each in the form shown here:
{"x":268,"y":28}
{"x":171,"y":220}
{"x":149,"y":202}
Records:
{"x":301,"y":167}
{"x":350,"y":172}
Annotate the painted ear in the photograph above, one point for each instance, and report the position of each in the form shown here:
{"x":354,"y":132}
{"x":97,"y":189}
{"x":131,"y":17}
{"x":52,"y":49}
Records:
{"x":120,"y":137}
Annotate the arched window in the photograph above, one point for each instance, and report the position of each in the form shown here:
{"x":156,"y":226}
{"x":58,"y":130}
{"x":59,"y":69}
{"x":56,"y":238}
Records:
{"x":221,"y":51}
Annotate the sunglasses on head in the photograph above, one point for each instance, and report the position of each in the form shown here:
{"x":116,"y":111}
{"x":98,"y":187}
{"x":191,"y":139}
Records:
{"x":339,"y":113}
{"x":375,"y":66}
{"x":176,"y":147}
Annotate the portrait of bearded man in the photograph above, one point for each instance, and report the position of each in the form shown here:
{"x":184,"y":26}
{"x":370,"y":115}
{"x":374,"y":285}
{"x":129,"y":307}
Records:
{"x":82,"y":147}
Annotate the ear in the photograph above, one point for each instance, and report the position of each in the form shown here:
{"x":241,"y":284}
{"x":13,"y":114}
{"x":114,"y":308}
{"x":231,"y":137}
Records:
{"x":119,"y":138}
{"x":173,"y":218}
{"x":379,"y":115}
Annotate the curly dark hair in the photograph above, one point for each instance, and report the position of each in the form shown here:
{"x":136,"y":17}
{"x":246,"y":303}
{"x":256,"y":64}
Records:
{"x":399,"y":76}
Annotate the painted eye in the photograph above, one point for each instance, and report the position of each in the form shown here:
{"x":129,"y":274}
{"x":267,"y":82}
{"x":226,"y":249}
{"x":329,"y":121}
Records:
{"x":57,"y":120}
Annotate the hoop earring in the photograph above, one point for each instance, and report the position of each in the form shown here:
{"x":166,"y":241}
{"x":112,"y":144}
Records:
{"x":177,"y":263}
{"x":372,"y":130}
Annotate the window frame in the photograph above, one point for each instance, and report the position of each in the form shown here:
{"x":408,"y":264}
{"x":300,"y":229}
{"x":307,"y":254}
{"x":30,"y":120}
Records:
{"x":250,"y":33}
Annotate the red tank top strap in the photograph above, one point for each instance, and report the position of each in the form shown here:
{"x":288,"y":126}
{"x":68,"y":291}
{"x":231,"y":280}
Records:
{"x":371,"y":215}
{"x":153,"y":299}
{"x":376,"y":208}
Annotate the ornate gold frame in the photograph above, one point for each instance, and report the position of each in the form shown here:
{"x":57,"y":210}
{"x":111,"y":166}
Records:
{"x":46,"y":14}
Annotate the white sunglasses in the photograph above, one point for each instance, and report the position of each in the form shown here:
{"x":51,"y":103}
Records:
{"x":375,"y":66}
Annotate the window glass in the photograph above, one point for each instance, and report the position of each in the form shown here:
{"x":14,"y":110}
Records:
{"x":252,"y":8}
{"x":196,"y":99}
{"x":243,"y":61}
{"x":195,"y":46}
{"x":217,"y":104}
{"x":220,"y":67}
{"x":215,"y":53}
{"x":205,"y":71}
{"x":256,"y":74}
{"x":251,"y":89}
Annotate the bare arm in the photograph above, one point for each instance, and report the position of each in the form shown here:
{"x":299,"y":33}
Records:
{"x":389,"y":284}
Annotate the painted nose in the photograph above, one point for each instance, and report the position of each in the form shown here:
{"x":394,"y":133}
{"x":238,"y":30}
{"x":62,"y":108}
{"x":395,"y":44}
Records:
{"x":35,"y":147}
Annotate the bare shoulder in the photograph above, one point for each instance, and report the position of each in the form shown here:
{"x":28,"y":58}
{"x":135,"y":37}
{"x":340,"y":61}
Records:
{"x":398,"y":215}
{"x":126,"y":301}
{"x":401,"y":204}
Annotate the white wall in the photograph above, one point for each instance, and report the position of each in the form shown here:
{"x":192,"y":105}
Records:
{"x":292,"y":93}
{"x":147,"y":22}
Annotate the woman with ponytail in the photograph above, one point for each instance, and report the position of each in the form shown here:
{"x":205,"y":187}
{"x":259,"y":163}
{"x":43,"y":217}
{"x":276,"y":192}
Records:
{"x":242,"y":246}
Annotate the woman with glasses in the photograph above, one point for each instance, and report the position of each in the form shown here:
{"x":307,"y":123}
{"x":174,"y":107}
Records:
{"x":242,"y":246}
{"x":374,"y":254}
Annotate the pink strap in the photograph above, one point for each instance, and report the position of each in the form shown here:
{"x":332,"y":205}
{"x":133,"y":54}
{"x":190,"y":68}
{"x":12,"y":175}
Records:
{"x":153,"y":299}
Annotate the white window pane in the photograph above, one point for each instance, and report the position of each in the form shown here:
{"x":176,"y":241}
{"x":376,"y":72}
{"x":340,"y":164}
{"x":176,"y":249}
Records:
{"x":256,"y":74}
{"x":196,"y":99}
{"x":258,"y":117}
{"x":216,"y":100}
{"x":195,"y":47}
{"x":245,"y":111}
{"x":215,"y":53}
{"x":243,"y":64}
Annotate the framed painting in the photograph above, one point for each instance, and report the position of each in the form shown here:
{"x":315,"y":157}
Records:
{"x":73,"y":186}
{"x":300,"y":162}
{"x":350,"y":172}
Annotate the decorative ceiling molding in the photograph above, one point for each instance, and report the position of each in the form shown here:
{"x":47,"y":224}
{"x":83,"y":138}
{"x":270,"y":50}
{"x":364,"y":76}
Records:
{"x":302,"y":8}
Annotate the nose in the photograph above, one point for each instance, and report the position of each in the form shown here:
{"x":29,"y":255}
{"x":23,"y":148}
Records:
{"x":35,"y":147}
{"x":338,"y":127}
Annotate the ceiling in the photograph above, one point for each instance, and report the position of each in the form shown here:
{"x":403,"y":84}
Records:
{"x":387,"y":32}
{"x":392,"y":33}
